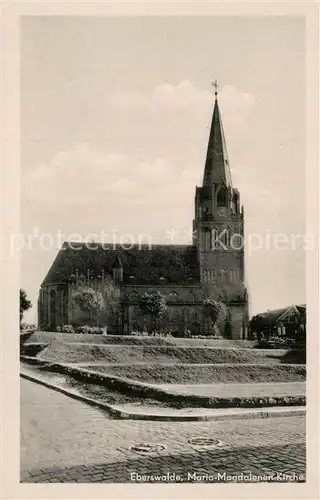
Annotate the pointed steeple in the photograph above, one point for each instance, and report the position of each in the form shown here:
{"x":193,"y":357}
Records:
{"x":217,"y":168}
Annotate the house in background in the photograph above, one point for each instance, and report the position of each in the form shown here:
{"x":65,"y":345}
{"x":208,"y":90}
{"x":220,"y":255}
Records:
{"x":288,"y":321}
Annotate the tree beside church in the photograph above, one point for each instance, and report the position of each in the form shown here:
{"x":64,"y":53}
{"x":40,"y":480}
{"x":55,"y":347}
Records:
{"x":25,"y":303}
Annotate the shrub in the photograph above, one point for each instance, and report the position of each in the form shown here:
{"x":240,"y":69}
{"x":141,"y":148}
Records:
{"x":277,"y":340}
{"x":139,"y":334}
{"x":161,"y":334}
{"x":98,"y":330}
{"x":86,"y":329}
{"x":83,"y":329}
{"x":67,"y":329}
{"x":177,"y":334}
{"x":272,"y":342}
{"x":165,"y":334}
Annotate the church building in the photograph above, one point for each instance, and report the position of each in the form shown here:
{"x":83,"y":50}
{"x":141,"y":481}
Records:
{"x":211,"y":267}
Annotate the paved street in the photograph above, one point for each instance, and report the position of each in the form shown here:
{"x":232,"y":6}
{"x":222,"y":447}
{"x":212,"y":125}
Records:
{"x":64,"y":440}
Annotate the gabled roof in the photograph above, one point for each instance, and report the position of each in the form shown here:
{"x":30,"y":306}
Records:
{"x":302,"y":308}
{"x":273,"y":315}
{"x":283,"y":313}
{"x":177,"y":264}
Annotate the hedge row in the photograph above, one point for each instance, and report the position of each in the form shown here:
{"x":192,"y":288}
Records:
{"x":83,"y":329}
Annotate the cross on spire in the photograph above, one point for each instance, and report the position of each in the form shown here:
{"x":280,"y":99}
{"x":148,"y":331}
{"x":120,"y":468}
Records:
{"x":215,"y":86}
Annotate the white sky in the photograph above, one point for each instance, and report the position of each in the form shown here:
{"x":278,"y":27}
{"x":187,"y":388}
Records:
{"x":115,"y":122}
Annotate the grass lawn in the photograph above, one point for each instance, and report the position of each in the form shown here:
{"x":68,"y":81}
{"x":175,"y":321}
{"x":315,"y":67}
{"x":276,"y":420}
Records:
{"x":249,"y":392}
{"x":48,"y":337}
{"x":114,"y":354}
{"x":158,"y":374}
{"x":97,"y":392}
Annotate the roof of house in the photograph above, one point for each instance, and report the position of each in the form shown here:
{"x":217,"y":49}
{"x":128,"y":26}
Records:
{"x":302,"y":308}
{"x":177,"y":264}
{"x":278,"y":314}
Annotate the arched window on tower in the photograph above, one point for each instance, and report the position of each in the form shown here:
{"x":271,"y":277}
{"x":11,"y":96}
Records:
{"x":222,"y":197}
{"x":205,"y":212}
{"x":235,"y":203}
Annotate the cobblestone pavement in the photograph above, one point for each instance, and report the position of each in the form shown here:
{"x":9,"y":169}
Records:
{"x":64,"y":440}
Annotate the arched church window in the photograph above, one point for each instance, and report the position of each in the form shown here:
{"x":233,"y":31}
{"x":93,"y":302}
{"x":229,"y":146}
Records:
{"x":134,"y":296}
{"x":63,"y":295}
{"x":222,"y":197}
{"x":225,"y":276}
{"x":173,"y":296}
{"x":222,"y":277}
{"x":53,"y":308}
{"x":232,"y":276}
{"x":207,"y":238}
{"x":205,"y":209}
{"x":235,"y":202}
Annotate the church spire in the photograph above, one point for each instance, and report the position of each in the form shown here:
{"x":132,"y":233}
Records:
{"x":217,"y":169}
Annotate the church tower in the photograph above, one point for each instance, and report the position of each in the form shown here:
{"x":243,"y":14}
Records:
{"x":219,"y":230}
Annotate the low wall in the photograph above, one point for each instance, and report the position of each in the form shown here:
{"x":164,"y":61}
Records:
{"x":139,"y":389}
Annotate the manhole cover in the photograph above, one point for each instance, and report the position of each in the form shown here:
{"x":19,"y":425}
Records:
{"x":205,"y":442}
{"x":145,"y":448}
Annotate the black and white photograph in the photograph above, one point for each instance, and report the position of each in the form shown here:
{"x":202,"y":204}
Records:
{"x":163,"y":249}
